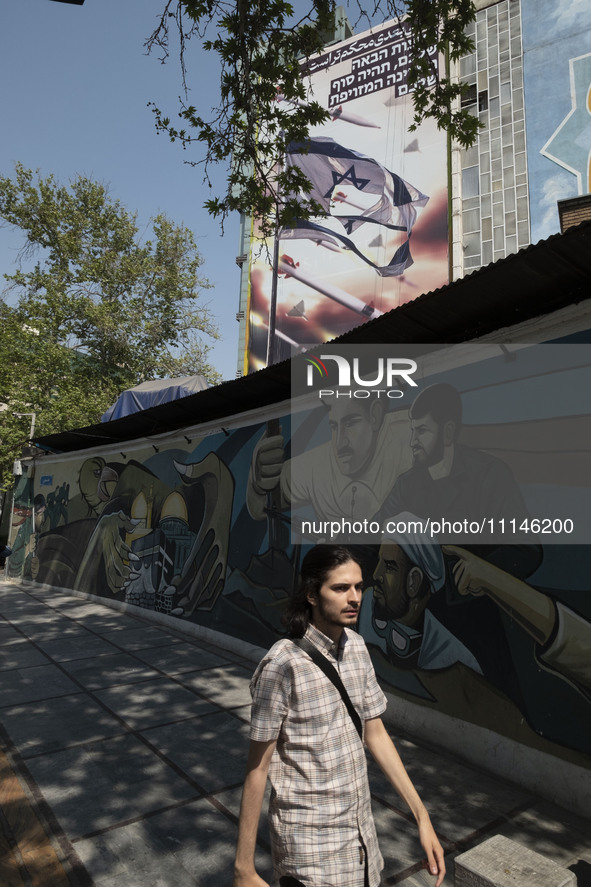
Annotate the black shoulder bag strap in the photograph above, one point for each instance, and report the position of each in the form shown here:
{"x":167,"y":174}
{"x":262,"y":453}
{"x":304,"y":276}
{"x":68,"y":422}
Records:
{"x":332,"y":674}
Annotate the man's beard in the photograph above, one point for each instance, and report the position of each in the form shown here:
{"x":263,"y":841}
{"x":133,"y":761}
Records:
{"x":384,"y":612}
{"x":424,"y":459}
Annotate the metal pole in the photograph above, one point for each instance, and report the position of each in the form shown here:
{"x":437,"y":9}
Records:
{"x":271,"y":350}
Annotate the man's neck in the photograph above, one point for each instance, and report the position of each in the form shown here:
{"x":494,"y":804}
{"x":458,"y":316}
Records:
{"x":443,"y":467}
{"x":334,"y":632}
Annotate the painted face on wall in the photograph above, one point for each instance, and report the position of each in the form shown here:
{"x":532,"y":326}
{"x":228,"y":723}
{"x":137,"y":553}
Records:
{"x":426,"y":441}
{"x":354,"y":431}
{"x":390,"y":597}
{"x":400,"y":593}
{"x":89,"y":479}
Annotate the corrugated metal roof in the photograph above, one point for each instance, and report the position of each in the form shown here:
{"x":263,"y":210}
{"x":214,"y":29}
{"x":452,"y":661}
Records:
{"x":538,"y":280}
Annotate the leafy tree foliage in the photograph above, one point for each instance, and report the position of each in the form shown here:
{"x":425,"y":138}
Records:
{"x":93,"y":307}
{"x":260,"y":47}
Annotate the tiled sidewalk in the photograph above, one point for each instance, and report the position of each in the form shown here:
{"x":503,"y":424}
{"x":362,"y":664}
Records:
{"x":122,"y":754}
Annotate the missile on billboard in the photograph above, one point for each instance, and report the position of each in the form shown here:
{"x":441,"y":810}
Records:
{"x":298,"y":310}
{"x":327,"y":244}
{"x":335,"y":113}
{"x":290,"y":268}
{"x":258,"y":321}
{"x":341,"y":197}
{"x":357,"y":119}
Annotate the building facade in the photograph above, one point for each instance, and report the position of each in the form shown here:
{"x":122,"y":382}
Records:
{"x":528,"y":80}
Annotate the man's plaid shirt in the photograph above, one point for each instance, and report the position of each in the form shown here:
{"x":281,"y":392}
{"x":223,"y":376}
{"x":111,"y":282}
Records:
{"x":320,"y":811}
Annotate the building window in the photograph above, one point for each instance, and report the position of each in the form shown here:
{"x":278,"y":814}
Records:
{"x":483,"y":100}
{"x":470,"y":182}
{"x":469,"y":95}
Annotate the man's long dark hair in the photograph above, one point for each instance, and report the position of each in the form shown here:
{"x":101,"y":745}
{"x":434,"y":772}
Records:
{"x":316,"y":566}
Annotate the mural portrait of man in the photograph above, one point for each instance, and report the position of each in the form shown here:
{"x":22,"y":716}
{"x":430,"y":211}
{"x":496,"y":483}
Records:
{"x":347,"y":476}
{"x":396,"y":617}
{"x":448,"y":479}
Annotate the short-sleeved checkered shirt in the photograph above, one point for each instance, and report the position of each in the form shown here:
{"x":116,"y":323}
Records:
{"x":320,"y":819}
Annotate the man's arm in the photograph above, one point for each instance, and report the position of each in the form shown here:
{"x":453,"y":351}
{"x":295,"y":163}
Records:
{"x":384,"y":752}
{"x":257,"y":767}
{"x":532,"y":609}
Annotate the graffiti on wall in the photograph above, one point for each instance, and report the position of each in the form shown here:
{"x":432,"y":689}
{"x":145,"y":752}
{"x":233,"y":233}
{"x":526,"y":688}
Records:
{"x":209,"y":530}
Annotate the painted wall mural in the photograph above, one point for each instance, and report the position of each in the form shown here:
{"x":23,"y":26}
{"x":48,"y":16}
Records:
{"x":557,"y":78}
{"x":497,"y":635}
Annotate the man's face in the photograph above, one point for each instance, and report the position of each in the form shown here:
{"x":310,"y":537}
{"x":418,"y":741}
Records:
{"x":39,"y":516}
{"x":390,"y":597}
{"x":426,"y":441}
{"x":353,"y":436}
{"x":338,"y":601}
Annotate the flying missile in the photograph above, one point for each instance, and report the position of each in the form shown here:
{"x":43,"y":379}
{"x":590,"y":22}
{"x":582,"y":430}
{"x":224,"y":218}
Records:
{"x":339,"y":114}
{"x":298,"y":310}
{"x":336,"y":113}
{"x":287,"y":266}
{"x":258,"y":321}
{"x":341,"y":197}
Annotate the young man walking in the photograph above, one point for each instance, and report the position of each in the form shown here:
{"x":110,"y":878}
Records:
{"x":304,"y":738}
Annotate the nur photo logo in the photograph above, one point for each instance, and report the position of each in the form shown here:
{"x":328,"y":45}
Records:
{"x":360,"y":377}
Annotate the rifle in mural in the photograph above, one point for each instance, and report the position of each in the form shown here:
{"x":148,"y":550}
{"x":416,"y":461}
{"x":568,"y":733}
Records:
{"x":277,"y":522}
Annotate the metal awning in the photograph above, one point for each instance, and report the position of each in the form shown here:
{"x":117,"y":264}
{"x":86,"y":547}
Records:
{"x":538,"y":280}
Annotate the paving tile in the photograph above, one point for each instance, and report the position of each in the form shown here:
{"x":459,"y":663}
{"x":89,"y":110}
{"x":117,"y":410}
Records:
{"x":242,"y":712}
{"x":244,"y":661}
{"x":75,"y":645}
{"x":180,"y":657}
{"x":48,"y":725}
{"x":52,"y":597}
{"x":79,"y":608}
{"x":35,"y":624}
{"x":8,"y":632}
{"x":551,"y":831}
{"x":107,"y":621}
{"x":17,"y":607}
{"x":37,"y":682}
{"x":191,"y":845}
{"x":227,"y":685}
{"x":398,"y":839}
{"x":151,"y":703}
{"x":50,"y":628}
{"x":108,"y":670}
{"x":99,"y":786}
{"x":210,"y":749}
{"x":422,"y":878}
{"x":19,"y":653}
{"x":141,"y":638}
{"x":460,"y":799}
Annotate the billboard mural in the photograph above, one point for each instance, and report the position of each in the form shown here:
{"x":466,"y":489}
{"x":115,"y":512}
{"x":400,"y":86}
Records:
{"x":384,"y":239}
{"x":195,"y":524}
{"x":557,"y":78}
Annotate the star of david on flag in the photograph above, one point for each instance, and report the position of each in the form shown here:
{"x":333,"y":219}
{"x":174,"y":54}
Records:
{"x":328,"y":165}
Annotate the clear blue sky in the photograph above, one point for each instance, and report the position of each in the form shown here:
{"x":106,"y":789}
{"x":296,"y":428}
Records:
{"x":75,"y":87}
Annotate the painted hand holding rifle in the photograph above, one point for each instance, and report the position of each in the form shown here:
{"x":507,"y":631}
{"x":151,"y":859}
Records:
{"x":265,"y":473}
